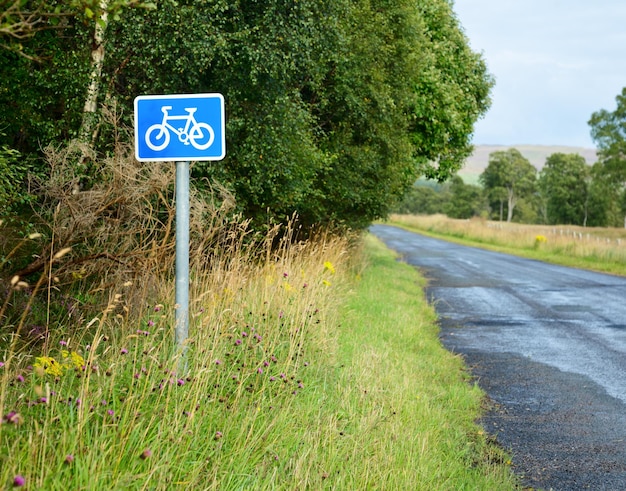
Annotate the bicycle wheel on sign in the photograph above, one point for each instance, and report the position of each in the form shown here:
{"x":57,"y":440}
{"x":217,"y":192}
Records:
{"x":201,"y":136}
{"x":157,"y":137}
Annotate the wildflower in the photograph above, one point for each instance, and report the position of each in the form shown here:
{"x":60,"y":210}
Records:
{"x":75,"y":359}
{"x":13,"y":418}
{"x":238,"y":342}
{"x":244,"y":334}
{"x":63,"y":343}
{"x":123,"y":351}
{"x":218,"y":362}
{"x":260,"y":370}
{"x":49,"y":365}
{"x":20,"y":378}
{"x":218,"y":435}
{"x":150,"y":323}
{"x":326,"y":283}
{"x":180,"y":382}
{"x":1,"y":364}
{"x":146,"y":454}
{"x":329,"y":267}
{"x":69,"y":458}
{"x":110,"y":412}
{"x":285,"y":275}
{"x":19,"y":481}
{"x":158,"y":307}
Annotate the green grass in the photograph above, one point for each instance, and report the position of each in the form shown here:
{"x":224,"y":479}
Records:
{"x":320,"y":369}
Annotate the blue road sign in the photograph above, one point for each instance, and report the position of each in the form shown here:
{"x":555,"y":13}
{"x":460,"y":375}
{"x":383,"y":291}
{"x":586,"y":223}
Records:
{"x":180,"y":127}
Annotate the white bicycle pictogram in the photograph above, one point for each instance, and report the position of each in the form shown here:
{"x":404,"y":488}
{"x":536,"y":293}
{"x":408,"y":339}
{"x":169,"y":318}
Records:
{"x":199,"y":135}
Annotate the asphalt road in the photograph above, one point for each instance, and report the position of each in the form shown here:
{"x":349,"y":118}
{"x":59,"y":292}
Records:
{"x":548,"y":345}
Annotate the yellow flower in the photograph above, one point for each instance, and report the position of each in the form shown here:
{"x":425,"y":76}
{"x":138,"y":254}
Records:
{"x":329,"y":266}
{"x":326,"y":283}
{"x":77,"y":360}
{"x":49,"y":365}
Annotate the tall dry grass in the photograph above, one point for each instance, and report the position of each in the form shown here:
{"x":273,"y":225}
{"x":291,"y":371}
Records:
{"x":98,"y":399}
{"x":600,"y":248}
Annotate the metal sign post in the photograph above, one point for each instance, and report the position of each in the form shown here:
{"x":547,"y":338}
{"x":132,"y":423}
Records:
{"x":182,"y":253}
{"x":180,"y":128}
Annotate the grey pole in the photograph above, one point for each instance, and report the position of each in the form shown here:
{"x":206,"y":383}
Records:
{"x":182,"y":253}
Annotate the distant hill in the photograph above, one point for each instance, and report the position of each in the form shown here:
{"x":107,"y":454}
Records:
{"x":536,"y":154}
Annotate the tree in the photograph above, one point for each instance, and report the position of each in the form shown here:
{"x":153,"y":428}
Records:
{"x":508,"y":177}
{"x":564,"y":183}
{"x":608,"y":130}
{"x":466,"y":200}
{"x":332,"y":120}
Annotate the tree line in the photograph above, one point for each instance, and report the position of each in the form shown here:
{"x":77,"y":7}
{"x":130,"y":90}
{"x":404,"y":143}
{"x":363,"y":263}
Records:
{"x":334,"y":108}
{"x":566,"y":191}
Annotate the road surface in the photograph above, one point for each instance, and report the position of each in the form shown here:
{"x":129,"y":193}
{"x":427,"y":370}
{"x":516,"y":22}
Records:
{"x":548,"y":345}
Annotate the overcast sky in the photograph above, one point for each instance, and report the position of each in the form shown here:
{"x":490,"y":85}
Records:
{"x":555,"y":62}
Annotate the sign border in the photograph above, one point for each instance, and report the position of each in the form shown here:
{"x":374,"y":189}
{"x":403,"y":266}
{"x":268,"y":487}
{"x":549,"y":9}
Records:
{"x":181,"y":96}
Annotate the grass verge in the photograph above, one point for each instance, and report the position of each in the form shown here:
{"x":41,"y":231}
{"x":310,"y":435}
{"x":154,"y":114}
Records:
{"x":301,"y":374}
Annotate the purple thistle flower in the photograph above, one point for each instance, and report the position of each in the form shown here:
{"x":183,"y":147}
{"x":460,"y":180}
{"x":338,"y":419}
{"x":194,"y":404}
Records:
{"x":123,"y":351}
{"x":19,"y":481}
{"x":238,"y":342}
{"x":110,"y":412}
{"x":218,"y":435}
{"x":150,"y":323}
{"x":69,"y":458}
{"x":63,"y":343}
{"x":1,"y":364}
{"x":180,"y":381}
{"x":146,"y":454}
{"x":260,"y":370}
{"x":218,"y":362}
{"x":244,"y":334}
{"x":20,"y":378}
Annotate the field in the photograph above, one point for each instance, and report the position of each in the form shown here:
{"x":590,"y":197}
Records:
{"x":599,"y":249}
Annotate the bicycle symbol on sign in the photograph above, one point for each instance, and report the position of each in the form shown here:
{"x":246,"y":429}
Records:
{"x":199,"y":135}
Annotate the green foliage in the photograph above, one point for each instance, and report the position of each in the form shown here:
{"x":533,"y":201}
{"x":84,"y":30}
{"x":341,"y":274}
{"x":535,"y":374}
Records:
{"x":13,"y":171}
{"x":331,"y":119}
{"x":452,"y":92}
{"x":508,"y":177}
{"x":466,"y":200}
{"x":564,"y":183}
{"x":423,"y":199}
{"x":608,"y":130}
